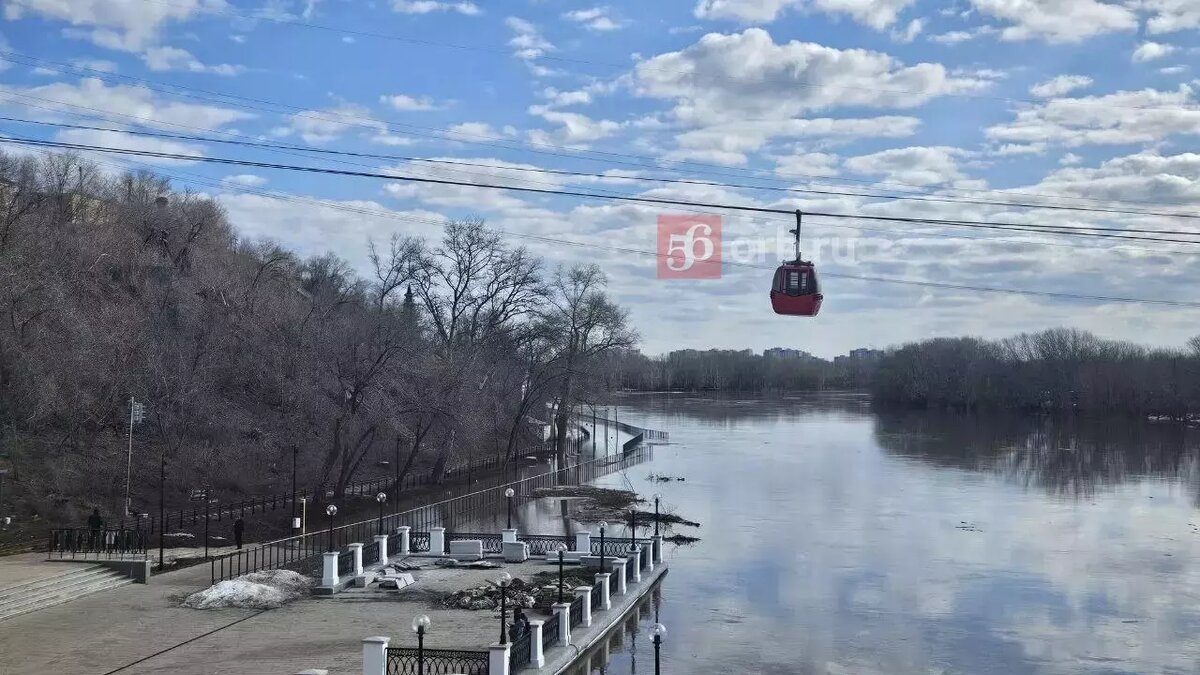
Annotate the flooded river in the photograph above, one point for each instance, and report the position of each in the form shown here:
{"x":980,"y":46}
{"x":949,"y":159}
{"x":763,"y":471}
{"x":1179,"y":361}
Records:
{"x":839,"y":540}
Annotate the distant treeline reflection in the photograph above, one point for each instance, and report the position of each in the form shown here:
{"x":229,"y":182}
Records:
{"x":1064,"y":455}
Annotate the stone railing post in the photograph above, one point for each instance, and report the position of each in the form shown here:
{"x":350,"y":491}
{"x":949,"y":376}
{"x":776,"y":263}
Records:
{"x":404,"y":531}
{"x":375,"y":655}
{"x":585,"y":592}
{"x":563,"y":610}
{"x":636,"y":554}
{"x":648,"y":551}
{"x":583,"y":542}
{"x":381,"y":541}
{"x":603,"y":579}
{"x":329,"y":570}
{"x":658,"y":549}
{"x":537,"y":658}
{"x":498,"y":658}
{"x":356,"y":553}
{"x":437,"y":541}
{"x":508,"y":536}
{"x":622,"y":587}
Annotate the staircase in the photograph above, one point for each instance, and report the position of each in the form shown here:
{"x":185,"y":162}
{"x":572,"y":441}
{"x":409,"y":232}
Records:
{"x":76,"y":582}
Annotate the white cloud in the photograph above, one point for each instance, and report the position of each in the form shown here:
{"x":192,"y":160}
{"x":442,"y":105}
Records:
{"x":172,"y":58}
{"x":1070,"y":159}
{"x":910,"y":32}
{"x":406,"y":103}
{"x":115,"y":139}
{"x":1172,"y":70}
{"x":747,"y":76}
{"x":1169,"y":180}
{"x":574,"y":128}
{"x":115,"y":24}
{"x":95,"y":64}
{"x":913,"y":166}
{"x":1171,"y":15}
{"x":133,"y":101}
{"x":470,"y":130}
{"x":956,"y":36}
{"x":1058,"y":20}
{"x":430,"y":6}
{"x":807,"y":164}
{"x":1124,"y":117}
{"x":731,"y":140}
{"x":597,"y":19}
{"x":322,"y":126}
{"x":1062,"y":84}
{"x":559,"y":99}
{"x":1149,"y":51}
{"x":878,"y":14}
{"x":245,"y":180}
{"x":527,"y":42}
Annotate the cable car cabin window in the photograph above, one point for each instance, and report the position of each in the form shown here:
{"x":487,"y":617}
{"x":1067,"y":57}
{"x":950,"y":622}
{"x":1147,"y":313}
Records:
{"x":801,"y":281}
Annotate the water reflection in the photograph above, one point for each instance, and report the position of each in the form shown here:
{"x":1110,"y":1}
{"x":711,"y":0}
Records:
{"x":1065,"y":456}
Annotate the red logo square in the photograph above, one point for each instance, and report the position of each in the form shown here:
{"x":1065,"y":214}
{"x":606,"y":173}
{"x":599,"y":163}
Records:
{"x":689,"y":246}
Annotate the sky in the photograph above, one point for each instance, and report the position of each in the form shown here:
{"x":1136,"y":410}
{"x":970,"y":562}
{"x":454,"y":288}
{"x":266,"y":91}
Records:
{"x":763,"y":103}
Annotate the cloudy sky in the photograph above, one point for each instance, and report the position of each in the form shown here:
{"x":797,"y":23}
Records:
{"x":1084,"y":103}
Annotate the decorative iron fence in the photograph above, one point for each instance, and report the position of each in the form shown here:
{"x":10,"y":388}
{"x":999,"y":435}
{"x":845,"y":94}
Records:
{"x":520,"y":654}
{"x":550,"y":632}
{"x":542,"y":544}
{"x":419,"y":542}
{"x":370,"y":553}
{"x":576,"y":611}
{"x":403,"y":661}
{"x":630,"y":566}
{"x":492,"y":543}
{"x":100,"y":543}
{"x":597,"y":596}
{"x":447,"y":513}
{"x":618,"y":548}
{"x":345,"y":563}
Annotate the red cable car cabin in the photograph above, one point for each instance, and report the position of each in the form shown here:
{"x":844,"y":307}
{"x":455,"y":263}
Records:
{"x":795,"y":290}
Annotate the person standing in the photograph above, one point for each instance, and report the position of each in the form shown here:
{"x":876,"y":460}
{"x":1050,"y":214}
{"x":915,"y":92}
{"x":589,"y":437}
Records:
{"x":96,"y":525}
{"x":239,"y":527}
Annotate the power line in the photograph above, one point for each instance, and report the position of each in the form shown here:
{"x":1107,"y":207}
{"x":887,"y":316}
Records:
{"x":643,"y":162}
{"x":105,"y":113}
{"x":582,"y":174}
{"x":1045,"y":229}
{"x":836,"y":275}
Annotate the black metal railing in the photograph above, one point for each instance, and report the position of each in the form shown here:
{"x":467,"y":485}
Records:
{"x":419,"y":542}
{"x":630,"y":566}
{"x":79,"y":542}
{"x":550,"y":632}
{"x":370,"y":553}
{"x":447,"y":513}
{"x":618,"y":548}
{"x":520,"y":654}
{"x":597,"y":597}
{"x":345,"y":563}
{"x":403,"y":661}
{"x":544,"y":544}
{"x":492,"y":543}
{"x":576,"y":611}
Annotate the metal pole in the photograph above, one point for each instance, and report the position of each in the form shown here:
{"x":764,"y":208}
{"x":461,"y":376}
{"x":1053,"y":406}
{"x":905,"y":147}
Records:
{"x":656,"y":516}
{"x":509,"y":512}
{"x":657,"y":646}
{"x":295,"y":454}
{"x":162,"y":506}
{"x":602,"y":550}
{"x":560,"y":577}
{"x":420,"y":650}
{"x":207,"y":502}
{"x":331,"y":533}
{"x":632,"y":529}
{"x":381,"y":518}
{"x":503,"y":612}
{"x":128,"y":464}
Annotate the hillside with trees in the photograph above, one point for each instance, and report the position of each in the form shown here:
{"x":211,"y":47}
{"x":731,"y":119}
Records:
{"x":245,"y":354}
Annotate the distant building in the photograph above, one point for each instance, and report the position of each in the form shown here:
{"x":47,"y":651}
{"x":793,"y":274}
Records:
{"x":785,"y":353}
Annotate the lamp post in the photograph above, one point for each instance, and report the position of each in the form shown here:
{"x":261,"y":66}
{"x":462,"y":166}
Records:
{"x":381,"y":498}
{"x":632,"y":529}
{"x":656,"y":498}
{"x":502,"y":582}
{"x":656,"y":635}
{"x":331,"y":511}
{"x":603,"y":526}
{"x":295,"y":456}
{"x":420,"y":624}
{"x":561,"y":548}
{"x":509,"y":493}
{"x":162,"y":505}
{"x":3,"y":473}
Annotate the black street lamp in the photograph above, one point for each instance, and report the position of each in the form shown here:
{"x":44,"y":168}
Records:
{"x":331,"y":511}
{"x":656,"y":634}
{"x":656,"y":498}
{"x":381,"y":498}
{"x":502,"y":582}
{"x":509,"y":493}
{"x":561,"y":548}
{"x":420,"y":624}
{"x":632,"y":529}
{"x":295,"y":455}
{"x":603,"y":526}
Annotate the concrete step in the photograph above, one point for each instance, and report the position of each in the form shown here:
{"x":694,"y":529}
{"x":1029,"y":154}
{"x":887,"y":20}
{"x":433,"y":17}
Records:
{"x":50,"y":597}
{"x":71,"y":572}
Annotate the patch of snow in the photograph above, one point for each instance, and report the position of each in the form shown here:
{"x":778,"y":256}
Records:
{"x":181,"y":534}
{"x":258,"y":590}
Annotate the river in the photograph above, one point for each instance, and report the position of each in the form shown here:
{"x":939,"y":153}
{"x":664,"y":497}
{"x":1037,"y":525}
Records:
{"x":838,"y":540}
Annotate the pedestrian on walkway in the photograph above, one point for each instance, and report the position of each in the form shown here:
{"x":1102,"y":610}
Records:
{"x":239,"y":527}
{"x":96,"y":525}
